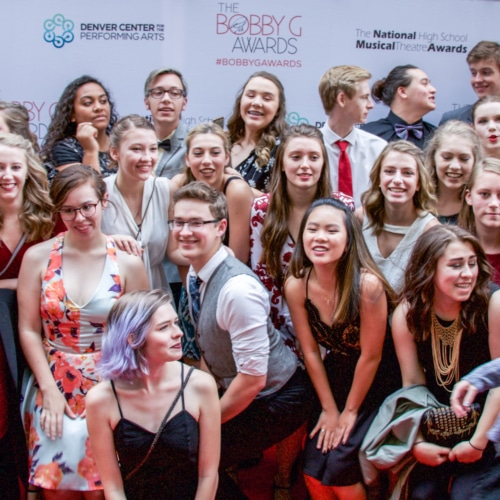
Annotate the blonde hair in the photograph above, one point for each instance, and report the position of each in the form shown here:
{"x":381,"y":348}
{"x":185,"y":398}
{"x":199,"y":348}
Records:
{"x":340,"y":79}
{"x":450,"y":128}
{"x":36,"y":214}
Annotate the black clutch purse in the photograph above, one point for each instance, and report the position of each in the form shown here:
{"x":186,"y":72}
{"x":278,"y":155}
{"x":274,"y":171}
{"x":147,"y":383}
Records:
{"x":442,"y":427}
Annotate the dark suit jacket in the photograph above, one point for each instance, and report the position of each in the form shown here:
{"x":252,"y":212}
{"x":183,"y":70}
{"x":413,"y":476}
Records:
{"x":463,"y":114}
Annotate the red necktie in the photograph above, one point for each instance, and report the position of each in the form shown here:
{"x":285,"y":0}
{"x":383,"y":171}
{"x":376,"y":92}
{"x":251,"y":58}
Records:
{"x":345,"y":171}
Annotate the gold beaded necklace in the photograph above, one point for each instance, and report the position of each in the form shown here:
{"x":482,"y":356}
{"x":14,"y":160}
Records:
{"x":445,"y":351}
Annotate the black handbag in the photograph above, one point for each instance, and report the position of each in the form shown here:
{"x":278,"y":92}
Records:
{"x":442,"y":427}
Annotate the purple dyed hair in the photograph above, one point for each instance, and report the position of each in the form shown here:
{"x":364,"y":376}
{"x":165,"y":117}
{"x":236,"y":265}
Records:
{"x":128,"y":324}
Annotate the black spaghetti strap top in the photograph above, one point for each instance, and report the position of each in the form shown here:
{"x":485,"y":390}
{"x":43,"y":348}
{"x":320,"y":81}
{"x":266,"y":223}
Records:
{"x":340,"y":339}
{"x":171,"y":471}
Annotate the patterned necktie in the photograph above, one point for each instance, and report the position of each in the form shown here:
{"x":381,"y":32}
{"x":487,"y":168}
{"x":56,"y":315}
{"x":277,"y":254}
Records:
{"x":165,"y":144}
{"x":194,"y":293}
{"x":345,"y":171}
{"x":402,"y":130}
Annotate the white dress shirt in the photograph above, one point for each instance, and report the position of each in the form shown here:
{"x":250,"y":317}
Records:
{"x":242,"y":310}
{"x":364,"y":148}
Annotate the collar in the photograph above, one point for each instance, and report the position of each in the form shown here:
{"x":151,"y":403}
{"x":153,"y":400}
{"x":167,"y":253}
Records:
{"x":208,"y":269}
{"x":394,"y":119}
{"x":331,"y":137}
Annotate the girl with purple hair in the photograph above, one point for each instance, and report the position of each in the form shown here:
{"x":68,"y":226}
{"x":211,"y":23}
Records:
{"x":154,"y":423}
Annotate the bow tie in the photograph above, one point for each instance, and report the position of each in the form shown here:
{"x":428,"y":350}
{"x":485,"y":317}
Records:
{"x":403,"y":130}
{"x":165,"y":144}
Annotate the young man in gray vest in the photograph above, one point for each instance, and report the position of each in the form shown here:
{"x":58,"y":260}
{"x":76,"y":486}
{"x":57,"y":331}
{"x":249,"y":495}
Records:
{"x":265,"y":396}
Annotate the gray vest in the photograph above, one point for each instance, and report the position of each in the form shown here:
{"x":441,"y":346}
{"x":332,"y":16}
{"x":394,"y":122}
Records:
{"x":215,"y":343}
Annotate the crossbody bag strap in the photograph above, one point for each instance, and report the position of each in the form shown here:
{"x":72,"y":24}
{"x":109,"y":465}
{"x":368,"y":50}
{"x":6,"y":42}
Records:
{"x":14,"y":254}
{"x":164,"y":422}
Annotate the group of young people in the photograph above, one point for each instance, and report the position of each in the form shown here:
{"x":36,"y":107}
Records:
{"x":310,"y":273}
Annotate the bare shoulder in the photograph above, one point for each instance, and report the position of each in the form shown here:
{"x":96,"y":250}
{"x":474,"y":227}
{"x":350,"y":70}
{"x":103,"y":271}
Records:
{"x":433,"y":222}
{"x":100,"y":395}
{"x":202,"y":383}
{"x":128,"y":260}
{"x":176,"y":182}
{"x":238,"y":188}
{"x":38,"y":255}
{"x":294,"y":287}
{"x":371,"y":286}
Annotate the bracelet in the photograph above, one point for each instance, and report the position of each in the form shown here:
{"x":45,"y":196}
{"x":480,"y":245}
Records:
{"x":475,"y":447}
{"x":419,"y":442}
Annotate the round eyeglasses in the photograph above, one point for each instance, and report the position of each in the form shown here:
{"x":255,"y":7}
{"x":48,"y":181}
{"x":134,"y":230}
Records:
{"x":87,"y":210}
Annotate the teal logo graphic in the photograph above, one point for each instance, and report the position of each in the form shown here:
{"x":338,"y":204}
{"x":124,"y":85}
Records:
{"x":58,"y":31}
{"x":294,"y":118}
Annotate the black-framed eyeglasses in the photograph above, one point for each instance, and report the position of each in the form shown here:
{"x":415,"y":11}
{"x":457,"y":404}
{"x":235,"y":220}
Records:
{"x":87,"y":210}
{"x":173,"y":92}
{"x":192,"y":224}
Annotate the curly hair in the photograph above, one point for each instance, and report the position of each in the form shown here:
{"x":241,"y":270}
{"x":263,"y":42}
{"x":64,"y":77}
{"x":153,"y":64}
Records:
{"x":373,"y":199}
{"x":418,"y":290}
{"x":17,"y":119}
{"x":349,"y":270}
{"x":36,"y":213}
{"x":451,"y":128}
{"x":275,"y":228}
{"x":61,"y":125}
{"x":267,"y":139}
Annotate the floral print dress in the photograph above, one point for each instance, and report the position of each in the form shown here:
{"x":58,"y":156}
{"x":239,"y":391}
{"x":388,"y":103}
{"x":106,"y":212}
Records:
{"x":72,"y":341}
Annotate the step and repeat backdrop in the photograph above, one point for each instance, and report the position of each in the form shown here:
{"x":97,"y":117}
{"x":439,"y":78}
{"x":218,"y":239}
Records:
{"x":217,"y":45}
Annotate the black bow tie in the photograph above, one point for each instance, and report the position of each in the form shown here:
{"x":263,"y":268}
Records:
{"x":165,"y":144}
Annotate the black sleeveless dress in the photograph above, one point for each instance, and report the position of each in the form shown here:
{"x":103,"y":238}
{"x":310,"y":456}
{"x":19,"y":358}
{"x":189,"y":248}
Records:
{"x":340,"y":466}
{"x":171,"y":471}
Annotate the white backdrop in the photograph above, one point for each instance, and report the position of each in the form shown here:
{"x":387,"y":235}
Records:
{"x":217,"y":45}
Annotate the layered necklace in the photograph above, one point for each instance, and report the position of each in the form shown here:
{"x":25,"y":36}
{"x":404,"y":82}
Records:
{"x":446,"y":350}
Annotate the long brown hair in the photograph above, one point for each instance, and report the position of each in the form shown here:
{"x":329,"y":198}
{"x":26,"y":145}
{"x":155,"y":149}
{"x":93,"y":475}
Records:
{"x":267,"y":139}
{"x":275,"y":228}
{"x":349,"y":270}
{"x":418,"y":291}
{"x":466,"y":218}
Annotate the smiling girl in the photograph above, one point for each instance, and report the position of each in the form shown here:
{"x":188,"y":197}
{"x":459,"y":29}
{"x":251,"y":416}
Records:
{"x":140,"y":203}
{"x":257,"y":122}
{"x":396,"y":208}
{"x":481,"y":211}
{"x":338,"y":299}
{"x":445,"y":326}
{"x":449,"y":157}
{"x":66,"y":287}
{"x":206,"y":160}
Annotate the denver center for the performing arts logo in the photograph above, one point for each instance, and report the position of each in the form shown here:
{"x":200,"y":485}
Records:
{"x":58,"y":31}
